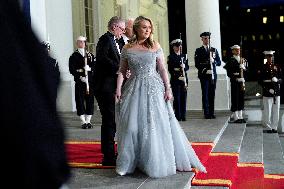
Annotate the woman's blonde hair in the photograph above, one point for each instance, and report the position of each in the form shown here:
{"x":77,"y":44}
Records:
{"x":149,"y":42}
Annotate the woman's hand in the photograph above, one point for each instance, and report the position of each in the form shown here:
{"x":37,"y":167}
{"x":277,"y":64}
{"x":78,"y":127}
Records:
{"x":168,"y":94}
{"x":117,"y":95}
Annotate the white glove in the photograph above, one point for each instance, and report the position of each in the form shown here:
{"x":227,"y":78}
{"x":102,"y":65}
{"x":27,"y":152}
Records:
{"x":182,"y":65}
{"x":211,"y":59}
{"x":271,"y":91}
{"x":241,"y":80}
{"x":83,"y":79}
{"x":274,"y":79}
{"x":181,"y":78}
{"x":87,"y":68}
{"x":209,"y":72}
{"x":242,"y":66}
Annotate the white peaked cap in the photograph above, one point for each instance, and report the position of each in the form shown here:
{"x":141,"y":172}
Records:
{"x":176,"y":41}
{"x":235,"y":47}
{"x":268,"y":52}
{"x":81,"y":38}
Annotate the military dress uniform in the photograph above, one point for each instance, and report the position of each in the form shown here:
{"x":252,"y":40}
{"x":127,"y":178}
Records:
{"x":84,"y":99}
{"x":270,"y":79}
{"x":206,"y":68}
{"x":234,"y":69}
{"x":179,"y":86}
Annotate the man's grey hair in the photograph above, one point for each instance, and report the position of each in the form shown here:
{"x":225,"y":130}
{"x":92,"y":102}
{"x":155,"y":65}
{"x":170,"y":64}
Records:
{"x":114,"y":21}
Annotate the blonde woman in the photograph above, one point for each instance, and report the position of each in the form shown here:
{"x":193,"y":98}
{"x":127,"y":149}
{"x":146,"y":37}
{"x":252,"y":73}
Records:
{"x":149,"y":136}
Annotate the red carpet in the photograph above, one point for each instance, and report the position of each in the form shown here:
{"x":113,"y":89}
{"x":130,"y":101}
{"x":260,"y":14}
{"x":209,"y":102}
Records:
{"x":220,"y":170}
{"x":249,"y":176}
{"x":273,"y":181}
{"x":202,"y":150}
{"x":87,"y":154}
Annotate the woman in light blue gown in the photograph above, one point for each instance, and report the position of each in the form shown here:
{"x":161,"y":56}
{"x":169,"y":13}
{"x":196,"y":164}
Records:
{"x":148,"y":135}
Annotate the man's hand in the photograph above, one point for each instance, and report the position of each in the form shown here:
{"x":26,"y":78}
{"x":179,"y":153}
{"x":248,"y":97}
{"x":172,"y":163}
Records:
{"x":242,"y":66}
{"x":87,"y":68}
{"x":241,"y":80}
{"x":181,"y":78}
{"x":209,"y":72}
{"x":274,"y":79}
{"x":271,"y":91}
{"x":83,"y":79}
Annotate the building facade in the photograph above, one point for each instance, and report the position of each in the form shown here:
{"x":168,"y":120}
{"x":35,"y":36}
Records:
{"x":60,"y":22}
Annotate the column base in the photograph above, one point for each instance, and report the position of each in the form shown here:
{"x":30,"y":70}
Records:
{"x":222,"y":93}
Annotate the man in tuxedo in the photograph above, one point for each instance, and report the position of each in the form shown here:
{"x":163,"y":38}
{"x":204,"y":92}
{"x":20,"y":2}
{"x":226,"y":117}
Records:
{"x":128,"y":31}
{"x":32,"y":137}
{"x":206,"y":59}
{"x":107,"y":63}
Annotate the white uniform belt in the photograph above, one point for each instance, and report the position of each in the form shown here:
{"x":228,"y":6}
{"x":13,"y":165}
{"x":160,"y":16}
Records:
{"x":267,"y":80}
{"x":80,"y":70}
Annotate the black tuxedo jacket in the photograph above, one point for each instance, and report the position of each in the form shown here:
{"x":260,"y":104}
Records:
{"x":107,"y":64}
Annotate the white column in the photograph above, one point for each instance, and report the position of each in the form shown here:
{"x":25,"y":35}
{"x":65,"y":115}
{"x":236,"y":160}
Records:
{"x":52,"y":20}
{"x":203,"y":16}
{"x":38,"y":18}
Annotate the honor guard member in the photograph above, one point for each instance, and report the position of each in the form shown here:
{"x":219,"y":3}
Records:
{"x":55,"y":71}
{"x":177,"y":66}
{"x":51,"y":60}
{"x":81,"y":65}
{"x":235,"y":66}
{"x":206,"y":59}
{"x":270,"y":79}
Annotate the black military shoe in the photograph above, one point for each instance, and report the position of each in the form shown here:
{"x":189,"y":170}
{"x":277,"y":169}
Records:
{"x":243,"y":121}
{"x":107,"y":162}
{"x":207,"y":116}
{"x":274,"y":131}
{"x":89,"y":125}
{"x":213,"y":116}
{"x":238,"y":121}
{"x":84,"y":126}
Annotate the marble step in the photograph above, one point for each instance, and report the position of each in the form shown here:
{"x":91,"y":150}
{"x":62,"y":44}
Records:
{"x":108,"y":179}
{"x":208,"y":187}
{"x":272,"y":154}
{"x":197,"y":130}
{"x":231,"y":139}
{"x":252,"y":148}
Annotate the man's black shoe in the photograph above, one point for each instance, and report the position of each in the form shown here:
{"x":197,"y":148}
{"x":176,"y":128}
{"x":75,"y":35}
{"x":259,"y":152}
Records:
{"x":243,"y":120}
{"x":238,"y":121}
{"x":183,"y":119}
{"x":84,"y":126}
{"x":207,"y":116}
{"x":274,"y":131}
{"x":89,"y":125}
{"x":213,"y":116}
{"x":108,"y":162}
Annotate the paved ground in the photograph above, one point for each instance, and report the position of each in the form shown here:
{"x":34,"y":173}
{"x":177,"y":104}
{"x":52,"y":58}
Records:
{"x":196,"y":128}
